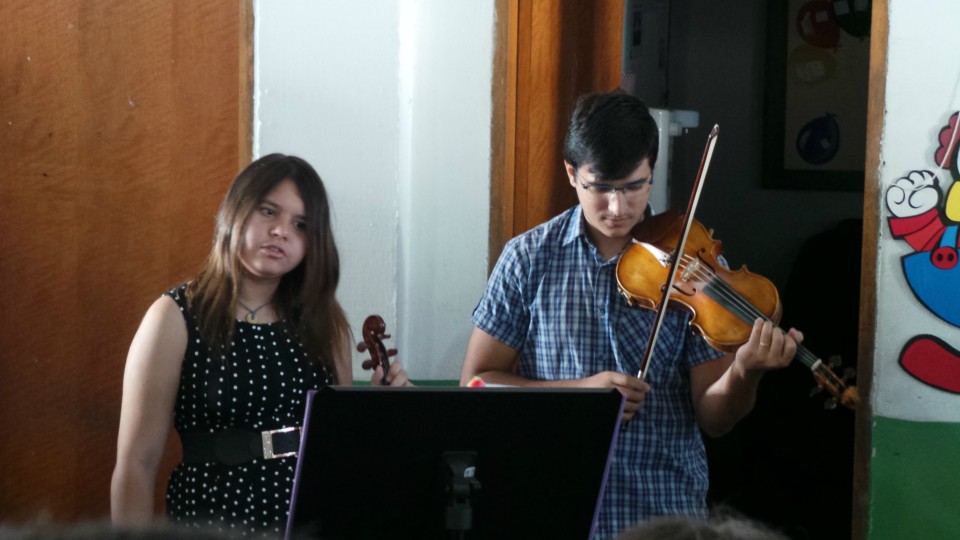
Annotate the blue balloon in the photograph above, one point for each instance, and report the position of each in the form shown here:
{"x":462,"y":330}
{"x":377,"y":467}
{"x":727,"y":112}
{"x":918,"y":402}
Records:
{"x":819,"y":140}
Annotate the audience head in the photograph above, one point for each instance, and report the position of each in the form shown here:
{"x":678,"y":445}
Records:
{"x":720,"y":527}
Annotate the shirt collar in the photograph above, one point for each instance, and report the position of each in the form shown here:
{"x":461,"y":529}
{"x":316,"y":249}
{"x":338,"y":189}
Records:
{"x":575,"y":228}
{"x":576,"y":231}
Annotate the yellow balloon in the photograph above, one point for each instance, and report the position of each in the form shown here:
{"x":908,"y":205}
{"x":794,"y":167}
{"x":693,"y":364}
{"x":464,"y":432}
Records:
{"x":952,"y":208}
{"x":810,"y":65}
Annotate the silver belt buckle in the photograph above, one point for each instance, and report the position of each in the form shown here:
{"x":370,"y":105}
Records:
{"x":267,"y":438}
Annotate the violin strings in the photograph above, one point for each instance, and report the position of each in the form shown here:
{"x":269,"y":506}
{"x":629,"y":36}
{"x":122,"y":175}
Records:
{"x":728,"y":297}
{"x":721,"y":292}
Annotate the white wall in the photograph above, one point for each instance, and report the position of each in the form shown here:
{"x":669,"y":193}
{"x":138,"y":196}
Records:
{"x":391,"y":102}
{"x":445,"y":181}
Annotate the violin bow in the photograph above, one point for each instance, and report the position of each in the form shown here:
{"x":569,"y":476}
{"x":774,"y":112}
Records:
{"x":678,"y":252}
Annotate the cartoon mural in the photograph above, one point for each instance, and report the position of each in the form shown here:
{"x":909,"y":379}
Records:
{"x":914,"y":418}
{"x":929,"y":223}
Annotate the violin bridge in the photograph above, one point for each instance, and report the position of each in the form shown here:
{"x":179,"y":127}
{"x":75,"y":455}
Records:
{"x":690,"y":270}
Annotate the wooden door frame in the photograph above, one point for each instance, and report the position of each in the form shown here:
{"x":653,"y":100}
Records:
{"x":503,"y":128}
{"x":245,"y":118}
{"x":546,"y":53}
{"x":876,"y":103}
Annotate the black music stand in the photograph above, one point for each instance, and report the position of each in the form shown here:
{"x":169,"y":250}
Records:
{"x":474,"y":463}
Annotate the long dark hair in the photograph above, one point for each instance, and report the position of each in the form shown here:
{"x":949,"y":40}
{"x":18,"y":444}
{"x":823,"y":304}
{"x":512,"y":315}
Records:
{"x":306,"y":296}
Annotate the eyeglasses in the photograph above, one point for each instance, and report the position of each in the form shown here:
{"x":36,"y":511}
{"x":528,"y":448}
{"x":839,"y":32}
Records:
{"x":629,"y":189}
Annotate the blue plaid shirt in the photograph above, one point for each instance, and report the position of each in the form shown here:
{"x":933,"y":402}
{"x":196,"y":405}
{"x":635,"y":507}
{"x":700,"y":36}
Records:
{"x":553,"y":298}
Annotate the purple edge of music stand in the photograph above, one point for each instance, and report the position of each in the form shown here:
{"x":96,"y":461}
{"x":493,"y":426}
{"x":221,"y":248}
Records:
{"x":288,"y":535}
{"x":606,"y":468}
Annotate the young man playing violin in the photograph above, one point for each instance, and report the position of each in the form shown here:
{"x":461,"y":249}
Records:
{"x":552,"y":315}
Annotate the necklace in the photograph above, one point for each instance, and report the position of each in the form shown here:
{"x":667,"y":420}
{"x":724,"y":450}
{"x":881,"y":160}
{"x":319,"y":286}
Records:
{"x":252,"y":313}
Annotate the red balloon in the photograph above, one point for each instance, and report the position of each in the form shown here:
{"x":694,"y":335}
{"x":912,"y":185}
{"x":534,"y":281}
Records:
{"x":817,"y":24}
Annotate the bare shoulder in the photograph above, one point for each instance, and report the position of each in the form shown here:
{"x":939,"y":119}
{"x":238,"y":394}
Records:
{"x":166,"y":308}
{"x":169,"y":317}
{"x":162,"y":336}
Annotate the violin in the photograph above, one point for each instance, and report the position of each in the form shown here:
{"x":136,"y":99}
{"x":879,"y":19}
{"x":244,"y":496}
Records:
{"x":723,"y":304}
{"x":373,"y":335}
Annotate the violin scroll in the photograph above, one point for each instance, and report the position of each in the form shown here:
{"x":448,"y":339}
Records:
{"x":839,"y":387}
{"x":373,"y":335}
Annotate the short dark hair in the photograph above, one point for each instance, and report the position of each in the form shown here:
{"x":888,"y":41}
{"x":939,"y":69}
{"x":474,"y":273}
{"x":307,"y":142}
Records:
{"x":612,"y":133}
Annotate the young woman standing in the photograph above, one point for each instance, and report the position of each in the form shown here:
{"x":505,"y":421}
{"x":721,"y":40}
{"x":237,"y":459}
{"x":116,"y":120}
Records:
{"x":228,"y":357}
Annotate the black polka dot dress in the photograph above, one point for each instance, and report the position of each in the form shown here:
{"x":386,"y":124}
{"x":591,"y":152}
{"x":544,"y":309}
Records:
{"x":261,"y":386}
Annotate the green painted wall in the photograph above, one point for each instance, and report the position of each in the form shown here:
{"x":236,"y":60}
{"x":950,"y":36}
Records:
{"x":915,"y":480}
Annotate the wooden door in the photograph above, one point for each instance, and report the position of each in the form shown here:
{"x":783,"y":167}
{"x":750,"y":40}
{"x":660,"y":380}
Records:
{"x":121,"y":125}
{"x":548,"y":53}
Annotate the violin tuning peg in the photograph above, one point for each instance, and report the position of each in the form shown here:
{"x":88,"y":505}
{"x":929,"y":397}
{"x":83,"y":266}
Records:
{"x":829,"y":404}
{"x":367,"y":364}
{"x":392,"y":352}
{"x":849,"y":374}
{"x":834,"y":361}
{"x":362,"y":347}
{"x":815,"y":391}
{"x":385,"y":336}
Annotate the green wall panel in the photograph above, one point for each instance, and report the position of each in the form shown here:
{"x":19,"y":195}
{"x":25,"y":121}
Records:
{"x":915,"y":480}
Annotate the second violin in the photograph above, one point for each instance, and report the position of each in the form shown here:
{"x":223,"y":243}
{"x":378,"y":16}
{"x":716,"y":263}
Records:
{"x":374,"y":332}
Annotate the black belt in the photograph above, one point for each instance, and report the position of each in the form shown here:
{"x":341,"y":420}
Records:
{"x":235,"y":446}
